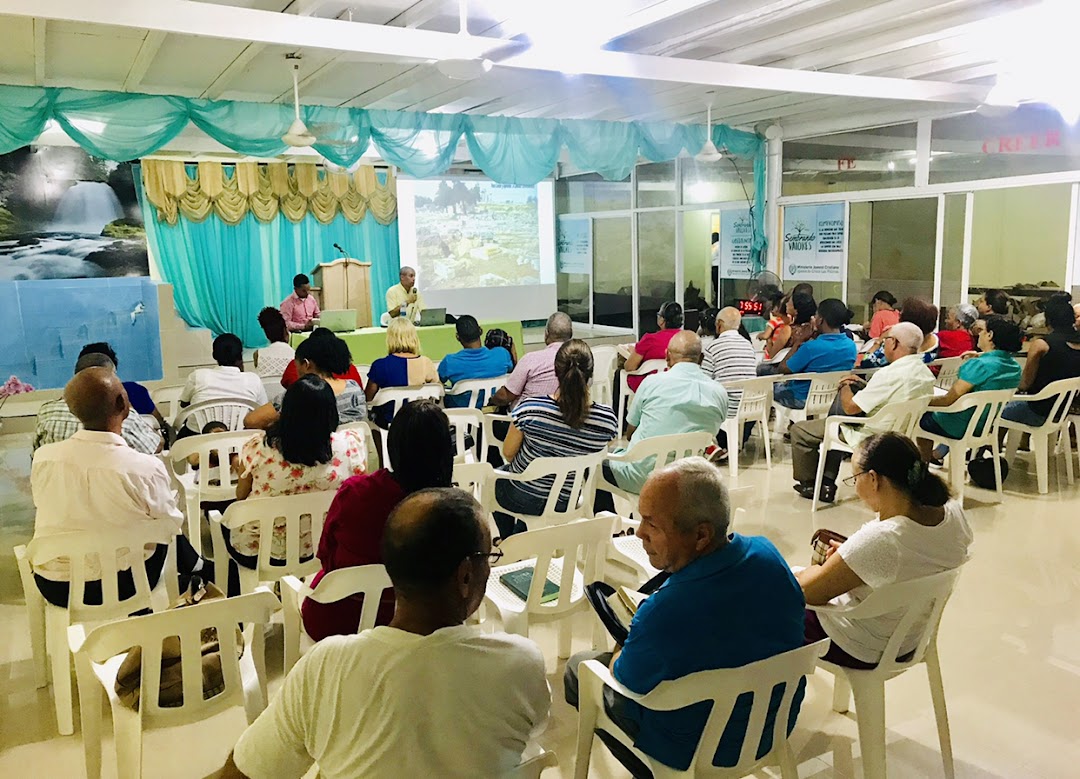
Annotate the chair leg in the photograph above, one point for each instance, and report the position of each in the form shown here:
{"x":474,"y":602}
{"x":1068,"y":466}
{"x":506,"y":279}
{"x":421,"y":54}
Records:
{"x":90,"y":699}
{"x":60,"y":667}
{"x":1012,"y":443}
{"x":565,"y":636}
{"x":789,"y":769}
{"x":1065,"y":445}
{"x":194,"y":520}
{"x":590,"y":693}
{"x":941,"y":713}
{"x":35,"y":615}
{"x":823,"y":454}
{"x":841,"y":696}
{"x":127,"y":735}
{"x":958,"y":471}
{"x":1040,"y":443}
{"x":293,"y":622}
{"x":734,"y":442}
{"x":870,"y":713}
{"x":765,"y":439}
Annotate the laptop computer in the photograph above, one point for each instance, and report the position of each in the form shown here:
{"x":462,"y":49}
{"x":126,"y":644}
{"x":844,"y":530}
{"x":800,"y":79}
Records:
{"x":432,"y":316}
{"x":340,"y":320}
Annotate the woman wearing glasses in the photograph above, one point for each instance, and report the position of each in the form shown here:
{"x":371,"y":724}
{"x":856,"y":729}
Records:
{"x":421,"y":456}
{"x":918,"y":531}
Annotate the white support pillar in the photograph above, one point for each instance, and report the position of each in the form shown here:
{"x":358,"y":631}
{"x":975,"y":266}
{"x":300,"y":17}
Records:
{"x":965,"y":272}
{"x":774,"y":179}
{"x":922,"y":153}
{"x":939,"y":249}
{"x":635,"y":277}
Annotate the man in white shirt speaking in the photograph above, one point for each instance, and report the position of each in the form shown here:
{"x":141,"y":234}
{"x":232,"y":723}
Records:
{"x":426,"y":695}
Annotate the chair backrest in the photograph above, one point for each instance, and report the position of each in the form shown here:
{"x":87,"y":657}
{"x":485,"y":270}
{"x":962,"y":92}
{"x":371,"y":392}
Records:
{"x":1064,"y":392}
{"x":948,"y":371}
{"x":478,"y":391}
{"x":290,"y":508}
{"x":756,"y":398}
{"x":577,"y":474}
{"x":723,"y":687}
{"x":101,"y":555}
{"x":167,"y":400}
{"x":188,"y":623}
{"x":666,"y":449}
{"x":474,"y":478}
{"x":229,"y":411}
{"x":919,"y":604}
{"x":581,"y":545}
{"x":366,"y":580}
{"x":605,"y":358}
{"x":649,"y":366}
{"x":399,"y":396}
{"x":209,"y":447}
{"x":902,"y":417}
{"x":822,"y":393}
{"x":988,"y":404}
{"x":465,"y":422}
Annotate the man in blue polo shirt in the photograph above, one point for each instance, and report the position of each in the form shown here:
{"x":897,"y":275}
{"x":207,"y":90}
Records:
{"x":730,"y":600}
{"x":474,"y":361}
{"x":830,"y":350}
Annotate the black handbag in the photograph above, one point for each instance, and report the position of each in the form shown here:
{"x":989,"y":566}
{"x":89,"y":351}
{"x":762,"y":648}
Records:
{"x":981,"y":469}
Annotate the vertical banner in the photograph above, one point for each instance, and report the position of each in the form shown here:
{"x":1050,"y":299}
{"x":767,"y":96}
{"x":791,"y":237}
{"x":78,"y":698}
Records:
{"x":736,"y":239}
{"x":573,"y":245}
{"x":814,"y":242}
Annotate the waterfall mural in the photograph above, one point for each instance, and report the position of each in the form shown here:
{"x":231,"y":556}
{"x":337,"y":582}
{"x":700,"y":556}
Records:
{"x":66,"y":215}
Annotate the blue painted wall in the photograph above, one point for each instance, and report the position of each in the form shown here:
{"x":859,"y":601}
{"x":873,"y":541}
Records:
{"x":44,"y":324}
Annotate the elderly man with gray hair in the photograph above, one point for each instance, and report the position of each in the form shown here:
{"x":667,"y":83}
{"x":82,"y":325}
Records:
{"x":56,"y":422}
{"x":728,"y":600}
{"x":730,"y":357}
{"x":905,"y":377}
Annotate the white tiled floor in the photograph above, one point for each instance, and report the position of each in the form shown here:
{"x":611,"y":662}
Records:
{"x":1010,"y":649}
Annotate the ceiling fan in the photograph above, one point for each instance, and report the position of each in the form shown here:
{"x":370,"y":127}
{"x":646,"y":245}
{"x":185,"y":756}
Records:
{"x":298,"y":133}
{"x":466,"y":69}
{"x":709,"y":152}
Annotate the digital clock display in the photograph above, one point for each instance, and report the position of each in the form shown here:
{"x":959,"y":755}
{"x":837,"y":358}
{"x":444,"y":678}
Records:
{"x":752,"y":307}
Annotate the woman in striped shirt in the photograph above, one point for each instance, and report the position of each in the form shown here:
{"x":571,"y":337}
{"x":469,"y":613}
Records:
{"x":564,"y":424}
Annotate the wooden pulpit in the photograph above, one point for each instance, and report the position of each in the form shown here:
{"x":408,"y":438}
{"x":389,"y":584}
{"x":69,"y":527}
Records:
{"x":344,"y":283}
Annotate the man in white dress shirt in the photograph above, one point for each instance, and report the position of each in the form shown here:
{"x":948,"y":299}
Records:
{"x":94,"y":480}
{"x":426,"y":695}
{"x":227,"y":380}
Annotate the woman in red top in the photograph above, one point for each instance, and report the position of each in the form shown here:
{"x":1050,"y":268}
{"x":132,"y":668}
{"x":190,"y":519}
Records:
{"x":289,"y":377}
{"x":884,"y":313}
{"x":422,"y":456}
{"x":653,"y":346}
{"x":955,"y":337}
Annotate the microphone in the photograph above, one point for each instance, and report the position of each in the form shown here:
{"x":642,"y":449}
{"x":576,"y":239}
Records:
{"x":343,"y":252}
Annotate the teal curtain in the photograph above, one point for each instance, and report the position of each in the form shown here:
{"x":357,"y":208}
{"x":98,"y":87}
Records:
{"x":222,"y":275}
{"x":510,"y":150}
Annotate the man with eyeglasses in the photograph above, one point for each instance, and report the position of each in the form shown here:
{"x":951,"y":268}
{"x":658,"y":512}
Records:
{"x":425,"y":695}
{"x":904,"y":378}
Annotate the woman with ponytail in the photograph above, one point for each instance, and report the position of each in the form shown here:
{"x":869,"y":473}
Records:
{"x":564,"y":424}
{"x":918,"y":532}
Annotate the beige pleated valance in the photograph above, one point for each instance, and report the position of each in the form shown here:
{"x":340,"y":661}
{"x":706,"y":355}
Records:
{"x":265,"y":190}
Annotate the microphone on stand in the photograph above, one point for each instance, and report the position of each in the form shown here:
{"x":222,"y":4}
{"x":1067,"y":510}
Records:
{"x":343,"y":252}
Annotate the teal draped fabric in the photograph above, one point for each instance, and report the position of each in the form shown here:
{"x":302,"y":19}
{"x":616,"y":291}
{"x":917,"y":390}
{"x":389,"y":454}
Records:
{"x":510,"y":150}
{"x":222,"y":275}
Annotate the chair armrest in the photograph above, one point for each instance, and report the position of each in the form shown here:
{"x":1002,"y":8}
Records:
{"x":598,"y":669}
{"x":293,"y":583}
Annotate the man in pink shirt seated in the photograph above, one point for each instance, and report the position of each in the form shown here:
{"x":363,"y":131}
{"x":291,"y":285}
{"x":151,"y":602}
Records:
{"x":300,"y":307}
{"x":534,"y":375}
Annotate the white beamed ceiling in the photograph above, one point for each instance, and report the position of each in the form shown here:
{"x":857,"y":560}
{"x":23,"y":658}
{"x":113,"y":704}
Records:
{"x":923,"y":40}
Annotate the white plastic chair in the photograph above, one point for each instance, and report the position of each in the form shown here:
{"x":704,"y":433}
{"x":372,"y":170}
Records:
{"x":478,"y":392}
{"x":97,"y":662}
{"x":396,"y":397}
{"x":663,"y":450}
{"x":722,"y":688}
{"x":900,"y":418}
{"x":819,"y":398}
{"x":571,"y":556}
{"x":490,"y":439}
{"x":948,"y":371}
{"x":209,"y":483}
{"x":228,"y":411}
{"x":605,"y":359}
{"x":626,"y":395}
{"x":49,"y":623}
{"x":266,"y":511}
{"x":1056,"y":425}
{"x":628,"y":553}
{"x":466,"y":423}
{"x":579,"y":473}
{"x":990,"y":402}
{"x":366,"y":580}
{"x":754,"y":405}
{"x":919,"y":604}
{"x":167,"y":400}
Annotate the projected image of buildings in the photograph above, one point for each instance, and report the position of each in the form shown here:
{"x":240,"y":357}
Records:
{"x":476,"y":234}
